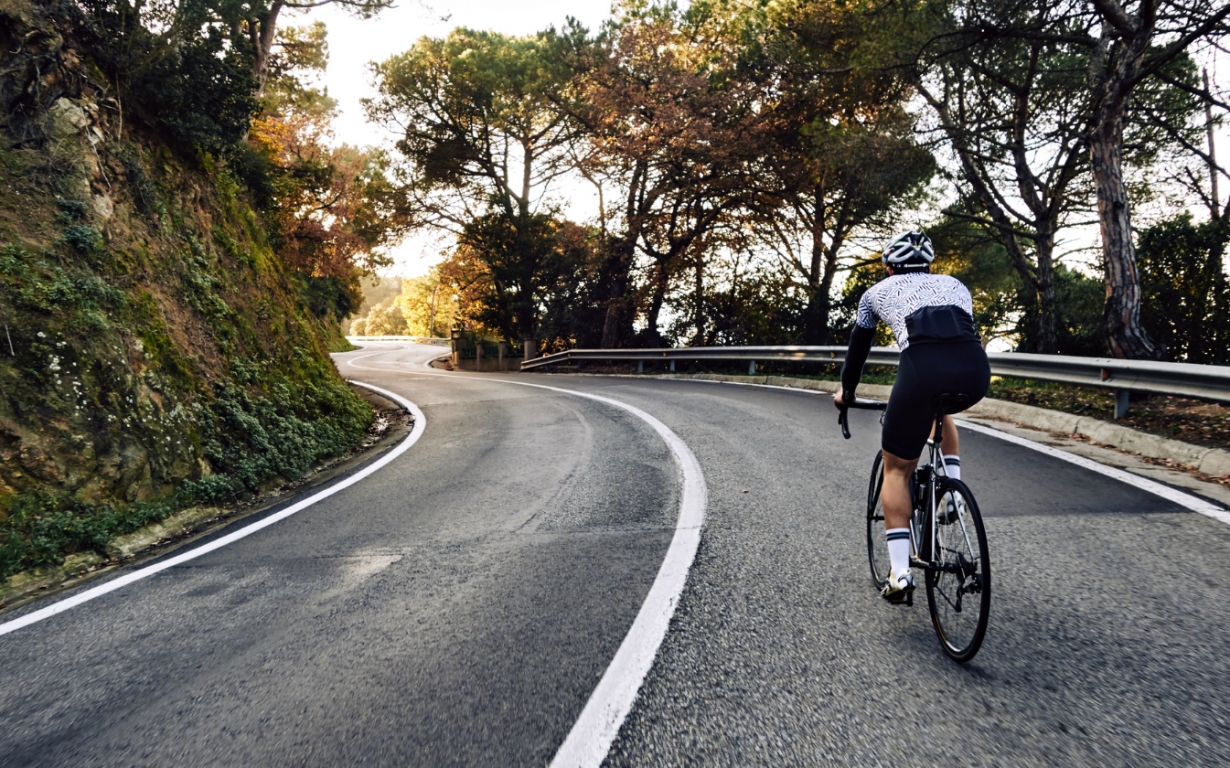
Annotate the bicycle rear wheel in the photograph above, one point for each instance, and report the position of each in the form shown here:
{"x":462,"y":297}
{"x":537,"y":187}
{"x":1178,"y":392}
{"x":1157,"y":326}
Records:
{"x":877,"y":546}
{"x":959,"y":584}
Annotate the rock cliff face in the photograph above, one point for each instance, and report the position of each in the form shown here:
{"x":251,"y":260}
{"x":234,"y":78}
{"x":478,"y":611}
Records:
{"x":154,"y":350}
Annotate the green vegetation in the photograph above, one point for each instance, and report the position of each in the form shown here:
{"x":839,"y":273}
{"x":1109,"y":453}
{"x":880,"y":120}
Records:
{"x":165,"y":344}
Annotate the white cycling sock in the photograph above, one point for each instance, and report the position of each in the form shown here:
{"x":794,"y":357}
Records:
{"x":898,"y":550}
{"x":952,"y":465}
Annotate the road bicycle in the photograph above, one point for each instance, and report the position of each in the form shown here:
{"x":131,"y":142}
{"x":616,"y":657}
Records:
{"x":948,"y":542}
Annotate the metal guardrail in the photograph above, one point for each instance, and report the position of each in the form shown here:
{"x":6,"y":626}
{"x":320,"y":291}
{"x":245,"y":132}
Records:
{"x":1207,"y":382}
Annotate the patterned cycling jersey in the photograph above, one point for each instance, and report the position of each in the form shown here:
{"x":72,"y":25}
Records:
{"x":895,"y":298}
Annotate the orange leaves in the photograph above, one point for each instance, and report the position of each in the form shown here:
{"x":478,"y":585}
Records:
{"x":327,"y":201}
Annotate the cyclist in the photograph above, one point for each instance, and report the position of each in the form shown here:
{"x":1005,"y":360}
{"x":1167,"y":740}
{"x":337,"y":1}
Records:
{"x":932,"y":318}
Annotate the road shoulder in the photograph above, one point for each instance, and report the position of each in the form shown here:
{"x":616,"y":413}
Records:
{"x":189,"y":525}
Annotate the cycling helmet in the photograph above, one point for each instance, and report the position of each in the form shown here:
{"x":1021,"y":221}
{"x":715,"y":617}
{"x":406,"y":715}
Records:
{"x":912,"y":250}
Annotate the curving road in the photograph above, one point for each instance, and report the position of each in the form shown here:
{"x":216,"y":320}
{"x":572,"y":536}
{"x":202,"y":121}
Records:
{"x":459,"y":606}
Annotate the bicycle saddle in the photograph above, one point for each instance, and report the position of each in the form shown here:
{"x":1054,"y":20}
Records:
{"x":951,"y":403}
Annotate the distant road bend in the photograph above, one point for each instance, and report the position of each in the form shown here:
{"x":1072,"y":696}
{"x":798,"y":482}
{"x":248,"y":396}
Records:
{"x":460,"y":605}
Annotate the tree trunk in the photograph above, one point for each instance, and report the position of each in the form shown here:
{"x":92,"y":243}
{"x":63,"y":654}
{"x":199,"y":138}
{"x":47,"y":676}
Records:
{"x":1044,"y":250}
{"x":264,"y":33}
{"x":617,"y":325}
{"x":1112,"y":78}
{"x":524,"y":316}
{"x":660,"y":284}
{"x":819,"y":289}
{"x":1124,"y":333}
{"x":698,"y":302}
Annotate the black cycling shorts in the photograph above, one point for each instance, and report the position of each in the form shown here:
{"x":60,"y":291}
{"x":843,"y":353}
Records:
{"x":928,"y":370}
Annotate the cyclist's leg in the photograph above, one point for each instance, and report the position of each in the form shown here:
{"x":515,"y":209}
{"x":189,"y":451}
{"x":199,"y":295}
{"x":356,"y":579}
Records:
{"x":895,"y":494}
{"x":897,"y":504}
{"x":951,"y":445}
{"x":907,"y":422}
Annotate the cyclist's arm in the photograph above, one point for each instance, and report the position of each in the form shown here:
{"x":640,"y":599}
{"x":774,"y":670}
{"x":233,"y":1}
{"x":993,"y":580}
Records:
{"x":852,"y":370}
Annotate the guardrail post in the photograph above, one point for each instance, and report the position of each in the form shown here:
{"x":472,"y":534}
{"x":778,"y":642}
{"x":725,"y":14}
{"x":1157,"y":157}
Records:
{"x":1121,"y":402}
{"x":531,"y":348}
{"x":640,"y":366}
{"x":672,"y":366}
{"x":455,"y":343}
{"x":751,"y":368}
{"x":478,"y":354}
{"x":500,"y":353}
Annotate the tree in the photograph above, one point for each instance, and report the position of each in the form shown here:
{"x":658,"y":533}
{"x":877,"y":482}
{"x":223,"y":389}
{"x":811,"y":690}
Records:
{"x":178,"y":65}
{"x":1131,"y":49}
{"x":1185,"y":289}
{"x":427,"y":304}
{"x":840,"y":177}
{"x":483,"y":139}
{"x":258,"y":22}
{"x":329,"y":207}
{"x":1079,"y":87}
{"x":384,"y":319}
{"x":330,"y":204}
{"x":199,"y":67}
{"x":676,"y":132}
{"x":1011,"y":106}
{"x":842,"y":156}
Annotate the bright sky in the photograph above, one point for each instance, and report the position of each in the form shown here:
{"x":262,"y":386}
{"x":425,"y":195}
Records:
{"x":353,"y":43}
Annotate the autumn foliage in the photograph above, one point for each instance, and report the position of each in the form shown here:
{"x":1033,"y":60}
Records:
{"x":325,"y":200}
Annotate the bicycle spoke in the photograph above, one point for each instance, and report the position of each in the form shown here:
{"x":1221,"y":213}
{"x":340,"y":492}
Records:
{"x":958,"y":586}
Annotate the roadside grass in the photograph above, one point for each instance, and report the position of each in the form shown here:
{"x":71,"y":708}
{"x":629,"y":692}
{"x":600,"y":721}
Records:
{"x":1179,"y":418}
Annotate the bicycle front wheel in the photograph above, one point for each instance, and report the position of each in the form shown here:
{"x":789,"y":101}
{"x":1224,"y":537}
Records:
{"x":959,"y":581}
{"x":877,"y":547}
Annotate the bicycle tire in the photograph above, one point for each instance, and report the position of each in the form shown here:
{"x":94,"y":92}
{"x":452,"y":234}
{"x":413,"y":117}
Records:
{"x":961,"y":569}
{"x":877,"y":545}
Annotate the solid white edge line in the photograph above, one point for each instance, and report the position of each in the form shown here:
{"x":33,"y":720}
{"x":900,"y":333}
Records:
{"x":590,"y":739}
{"x":591,"y":736}
{"x":420,"y":422}
{"x":1174,"y":495}
{"x":1195,"y":504}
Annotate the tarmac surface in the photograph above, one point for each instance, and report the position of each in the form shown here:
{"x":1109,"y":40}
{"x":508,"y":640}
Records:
{"x":459,"y":606}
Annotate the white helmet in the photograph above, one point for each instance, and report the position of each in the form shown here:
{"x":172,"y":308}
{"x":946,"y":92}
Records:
{"x":911,"y":250}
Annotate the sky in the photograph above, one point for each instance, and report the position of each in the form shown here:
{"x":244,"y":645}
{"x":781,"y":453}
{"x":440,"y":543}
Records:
{"x":353,"y":43}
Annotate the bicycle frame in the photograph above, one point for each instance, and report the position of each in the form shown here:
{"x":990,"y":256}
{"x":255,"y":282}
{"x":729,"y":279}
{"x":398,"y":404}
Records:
{"x":926,"y":504}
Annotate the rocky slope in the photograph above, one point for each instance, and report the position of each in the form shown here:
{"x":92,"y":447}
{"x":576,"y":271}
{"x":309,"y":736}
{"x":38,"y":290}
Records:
{"x":154,"y":350}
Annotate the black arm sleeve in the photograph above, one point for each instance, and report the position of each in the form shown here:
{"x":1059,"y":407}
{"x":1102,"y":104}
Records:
{"x":856,"y":355}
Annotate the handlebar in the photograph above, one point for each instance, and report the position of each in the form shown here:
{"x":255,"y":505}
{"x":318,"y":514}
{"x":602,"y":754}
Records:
{"x":861,"y":404}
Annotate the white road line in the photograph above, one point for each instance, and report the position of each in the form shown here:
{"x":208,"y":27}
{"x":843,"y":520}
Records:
{"x":1183,"y":499}
{"x":595,"y":730}
{"x":420,"y":422}
{"x":1173,"y":495}
{"x":1186,"y":500}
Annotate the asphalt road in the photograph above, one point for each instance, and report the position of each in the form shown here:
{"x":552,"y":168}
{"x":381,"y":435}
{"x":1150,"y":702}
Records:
{"x":458,"y":606}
